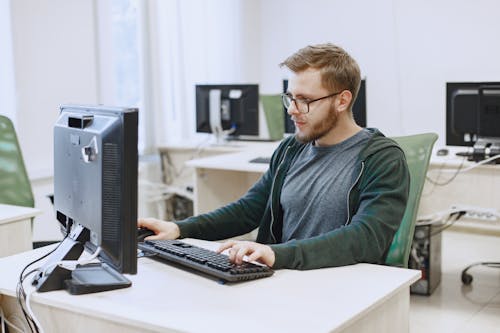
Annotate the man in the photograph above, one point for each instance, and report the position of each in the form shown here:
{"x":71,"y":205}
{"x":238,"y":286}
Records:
{"x":334,"y":194}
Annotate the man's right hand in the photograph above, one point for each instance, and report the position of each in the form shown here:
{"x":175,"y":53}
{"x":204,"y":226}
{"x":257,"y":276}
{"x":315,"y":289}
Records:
{"x":162,"y":229}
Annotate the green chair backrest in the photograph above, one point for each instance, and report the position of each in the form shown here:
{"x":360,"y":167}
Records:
{"x":275,"y":115}
{"x":418,"y":149}
{"x":15,"y":186}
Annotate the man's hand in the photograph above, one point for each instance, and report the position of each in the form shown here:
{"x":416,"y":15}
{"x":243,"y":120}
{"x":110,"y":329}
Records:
{"x":162,"y":229}
{"x":255,"y":252}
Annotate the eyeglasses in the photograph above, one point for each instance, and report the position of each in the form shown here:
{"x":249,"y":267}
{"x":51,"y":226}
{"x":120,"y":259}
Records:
{"x":301,"y":104}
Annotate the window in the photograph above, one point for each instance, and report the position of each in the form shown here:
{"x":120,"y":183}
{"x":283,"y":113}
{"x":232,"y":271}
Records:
{"x":7,"y":95}
{"x":119,"y":57}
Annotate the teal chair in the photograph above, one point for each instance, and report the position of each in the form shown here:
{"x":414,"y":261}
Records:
{"x":275,"y":117}
{"x":15,"y":186}
{"x":418,"y":149}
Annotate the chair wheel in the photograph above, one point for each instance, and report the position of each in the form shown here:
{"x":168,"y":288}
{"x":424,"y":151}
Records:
{"x":466,"y":278}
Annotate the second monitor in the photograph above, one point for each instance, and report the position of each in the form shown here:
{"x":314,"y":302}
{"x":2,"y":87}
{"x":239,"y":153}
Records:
{"x":228,"y":110}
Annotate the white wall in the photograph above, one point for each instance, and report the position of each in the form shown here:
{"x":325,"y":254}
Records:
{"x":7,"y":100}
{"x":54,"y":62}
{"x":407,"y":50}
{"x":195,"y":42}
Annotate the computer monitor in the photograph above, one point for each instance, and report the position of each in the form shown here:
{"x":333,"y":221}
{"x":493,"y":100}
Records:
{"x":358,"y":108}
{"x":465,"y":118}
{"x":473,"y":116}
{"x":95,"y":197}
{"x":228,"y":110}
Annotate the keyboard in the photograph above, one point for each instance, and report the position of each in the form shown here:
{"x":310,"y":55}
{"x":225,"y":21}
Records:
{"x":206,"y":261}
{"x":265,"y":160}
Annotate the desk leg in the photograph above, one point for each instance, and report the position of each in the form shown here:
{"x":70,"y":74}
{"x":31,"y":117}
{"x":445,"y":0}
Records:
{"x":392,"y":316}
{"x":13,"y":313}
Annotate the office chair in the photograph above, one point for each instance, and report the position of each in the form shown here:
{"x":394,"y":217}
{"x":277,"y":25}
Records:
{"x":418,"y":149}
{"x":467,"y":278}
{"x":274,"y":114}
{"x":15,"y":186}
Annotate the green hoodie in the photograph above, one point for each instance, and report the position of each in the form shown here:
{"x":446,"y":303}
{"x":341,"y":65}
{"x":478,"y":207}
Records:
{"x":376,"y":203}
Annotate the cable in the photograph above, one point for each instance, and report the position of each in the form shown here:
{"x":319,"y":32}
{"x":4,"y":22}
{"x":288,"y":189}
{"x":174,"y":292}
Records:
{"x":32,"y":315}
{"x":24,"y":300}
{"x":21,"y":294}
{"x":72,"y":264}
{"x":21,"y":297}
{"x":492,"y":158}
{"x":457,"y":172}
{"x":438,"y":217}
{"x":448,"y":224}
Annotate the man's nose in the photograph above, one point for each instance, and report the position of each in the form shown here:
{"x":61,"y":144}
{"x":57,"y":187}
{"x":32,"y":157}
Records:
{"x":292,"y":109}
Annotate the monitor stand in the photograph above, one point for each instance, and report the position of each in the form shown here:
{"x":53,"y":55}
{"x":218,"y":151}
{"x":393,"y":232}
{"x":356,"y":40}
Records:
{"x":90,"y":278}
{"x":485,"y":148}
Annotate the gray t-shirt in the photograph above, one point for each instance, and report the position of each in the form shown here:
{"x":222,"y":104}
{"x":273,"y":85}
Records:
{"x":314,"y":195}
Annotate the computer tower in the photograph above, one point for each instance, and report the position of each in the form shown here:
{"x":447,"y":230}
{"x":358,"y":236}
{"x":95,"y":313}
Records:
{"x":426,"y":256}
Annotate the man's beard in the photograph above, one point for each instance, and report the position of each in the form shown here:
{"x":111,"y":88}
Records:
{"x":319,"y":129}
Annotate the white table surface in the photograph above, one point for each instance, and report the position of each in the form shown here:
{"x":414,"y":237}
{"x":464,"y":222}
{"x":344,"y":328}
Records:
{"x":164,"y":297}
{"x":10,"y":213}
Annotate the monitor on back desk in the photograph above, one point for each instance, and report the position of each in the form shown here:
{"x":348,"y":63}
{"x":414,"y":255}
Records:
{"x":472,"y":117}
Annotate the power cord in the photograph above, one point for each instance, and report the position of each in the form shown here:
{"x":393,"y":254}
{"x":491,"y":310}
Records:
{"x":438,"y":217}
{"x":25,"y":299}
{"x":449,"y":223}
{"x":455,"y":213}
{"x":71,"y":265}
{"x":452,"y":178}
{"x":31,"y":313}
{"x":21,"y":294}
{"x":459,"y":170}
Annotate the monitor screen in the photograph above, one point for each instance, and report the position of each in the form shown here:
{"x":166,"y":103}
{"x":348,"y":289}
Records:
{"x":228,"y":109}
{"x":472,"y":110}
{"x":358,"y":108}
{"x":95,"y":185}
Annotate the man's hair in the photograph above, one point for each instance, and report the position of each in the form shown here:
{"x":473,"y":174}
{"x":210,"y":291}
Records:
{"x":339,"y":71}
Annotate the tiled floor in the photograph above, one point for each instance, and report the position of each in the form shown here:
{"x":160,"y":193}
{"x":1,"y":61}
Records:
{"x":454,"y":308}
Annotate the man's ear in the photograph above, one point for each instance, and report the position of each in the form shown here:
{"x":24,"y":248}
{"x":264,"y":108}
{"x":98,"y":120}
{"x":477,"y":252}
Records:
{"x":344,"y":100}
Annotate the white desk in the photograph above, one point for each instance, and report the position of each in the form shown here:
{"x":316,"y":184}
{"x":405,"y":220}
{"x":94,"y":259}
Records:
{"x":178,"y":169}
{"x":358,"y":298}
{"x":221,"y":179}
{"x":174,"y":157}
{"x":479,"y":187}
{"x":15,"y":229}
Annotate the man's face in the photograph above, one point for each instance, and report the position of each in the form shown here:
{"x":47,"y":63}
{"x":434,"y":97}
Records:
{"x":322,"y":115}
